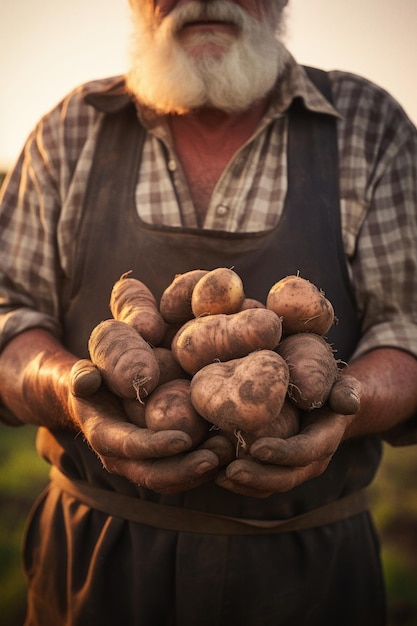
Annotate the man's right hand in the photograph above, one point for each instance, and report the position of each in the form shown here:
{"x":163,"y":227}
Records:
{"x":35,"y":386}
{"x":160,"y":461}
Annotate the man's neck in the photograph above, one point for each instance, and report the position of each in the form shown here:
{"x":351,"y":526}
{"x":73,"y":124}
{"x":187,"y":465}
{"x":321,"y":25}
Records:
{"x":212,"y":125}
{"x":206,"y":140}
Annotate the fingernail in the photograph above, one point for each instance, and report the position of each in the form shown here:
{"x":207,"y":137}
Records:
{"x":239,"y":476}
{"x":181,"y":444}
{"x":263,"y":454}
{"x":204,"y":467}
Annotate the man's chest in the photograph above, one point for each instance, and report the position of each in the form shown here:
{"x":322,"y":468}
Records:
{"x":241,"y":191}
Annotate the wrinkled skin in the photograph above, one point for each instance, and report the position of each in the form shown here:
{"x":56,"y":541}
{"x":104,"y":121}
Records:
{"x":287,"y":463}
{"x":155,"y":460}
{"x":133,"y":452}
{"x":34,"y":385}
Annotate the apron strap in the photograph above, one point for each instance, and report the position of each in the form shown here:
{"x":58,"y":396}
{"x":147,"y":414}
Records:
{"x":192,"y":521}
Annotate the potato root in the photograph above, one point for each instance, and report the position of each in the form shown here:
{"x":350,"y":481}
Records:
{"x":132,"y":302}
{"x":85,"y":378}
{"x":219,"y":291}
{"x":223,"y":337}
{"x":345,"y":395}
{"x":313,"y":369}
{"x":302,"y":306}
{"x":175,"y":302}
{"x":169,"y":407}
{"x":125,"y":360}
{"x":246,"y":393}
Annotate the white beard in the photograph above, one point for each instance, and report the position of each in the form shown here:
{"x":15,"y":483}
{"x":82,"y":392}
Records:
{"x":168,"y":79}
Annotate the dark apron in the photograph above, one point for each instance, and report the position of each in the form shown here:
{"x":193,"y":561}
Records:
{"x":133,"y":574}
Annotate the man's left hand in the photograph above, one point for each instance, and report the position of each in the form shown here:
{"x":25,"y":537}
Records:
{"x":279,"y":465}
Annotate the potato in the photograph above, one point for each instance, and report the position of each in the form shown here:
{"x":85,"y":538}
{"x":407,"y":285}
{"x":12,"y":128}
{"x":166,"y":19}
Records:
{"x":135,"y":411}
{"x":285,"y":425}
{"x":251,"y":303}
{"x":302,"y":306}
{"x":241,"y":394}
{"x":175,"y":302}
{"x":169,"y":368}
{"x":125,"y":360}
{"x":312,"y":366}
{"x":171,"y":331}
{"x":169,"y":407}
{"x":132,"y":302}
{"x":223,"y":337}
{"x":219,"y":291}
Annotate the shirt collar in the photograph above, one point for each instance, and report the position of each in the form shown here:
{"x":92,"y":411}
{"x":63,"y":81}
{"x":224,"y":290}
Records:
{"x":294,"y":84}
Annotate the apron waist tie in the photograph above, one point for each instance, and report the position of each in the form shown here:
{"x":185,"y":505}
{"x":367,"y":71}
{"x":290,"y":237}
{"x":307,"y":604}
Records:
{"x":193,"y":521}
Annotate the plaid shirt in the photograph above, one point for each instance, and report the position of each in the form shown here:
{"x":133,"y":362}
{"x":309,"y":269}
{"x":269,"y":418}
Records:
{"x":42,"y":199}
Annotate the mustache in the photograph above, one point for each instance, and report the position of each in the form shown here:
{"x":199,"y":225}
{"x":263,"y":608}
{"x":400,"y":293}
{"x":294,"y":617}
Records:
{"x":214,"y":11}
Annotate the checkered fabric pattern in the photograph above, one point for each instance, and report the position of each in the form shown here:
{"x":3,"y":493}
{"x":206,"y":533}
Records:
{"x":42,"y":200}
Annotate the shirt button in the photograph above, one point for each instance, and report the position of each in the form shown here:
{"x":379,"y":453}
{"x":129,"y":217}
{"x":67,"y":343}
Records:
{"x":222,"y":210}
{"x":172,"y":165}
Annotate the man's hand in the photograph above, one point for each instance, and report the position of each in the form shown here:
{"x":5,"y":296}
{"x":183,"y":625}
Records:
{"x":279,"y":465}
{"x":35,"y":386}
{"x":160,"y":461}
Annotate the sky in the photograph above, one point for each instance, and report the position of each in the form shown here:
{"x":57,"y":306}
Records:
{"x":47,"y":47}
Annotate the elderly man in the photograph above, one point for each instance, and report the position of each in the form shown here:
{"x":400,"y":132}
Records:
{"x":216,"y":149}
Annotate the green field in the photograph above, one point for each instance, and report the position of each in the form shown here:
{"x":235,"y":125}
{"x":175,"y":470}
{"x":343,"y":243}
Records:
{"x":23,"y":475}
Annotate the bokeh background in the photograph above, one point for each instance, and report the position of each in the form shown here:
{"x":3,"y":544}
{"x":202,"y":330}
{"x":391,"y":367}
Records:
{"x":49,"y":46}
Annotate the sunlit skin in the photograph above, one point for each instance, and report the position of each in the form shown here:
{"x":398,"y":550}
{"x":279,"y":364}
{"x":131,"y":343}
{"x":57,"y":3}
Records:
{"x":206,"y":140}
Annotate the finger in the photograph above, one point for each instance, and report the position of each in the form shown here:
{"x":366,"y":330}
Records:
{"x":269,"y":478}
{"x":222,"y":448}
{"x":109,"y":433}
{"x":318,"y":439}
{"x":187,"y":486}
{"x":122,"y":439}
{"x":242,"y":490}
{"x":167,"y":473}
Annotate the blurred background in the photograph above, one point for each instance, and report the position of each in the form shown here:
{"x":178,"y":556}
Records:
{"x":47,"y":48}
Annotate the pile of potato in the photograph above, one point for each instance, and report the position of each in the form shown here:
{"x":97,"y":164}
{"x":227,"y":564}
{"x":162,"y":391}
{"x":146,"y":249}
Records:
{"x":207,"y":358}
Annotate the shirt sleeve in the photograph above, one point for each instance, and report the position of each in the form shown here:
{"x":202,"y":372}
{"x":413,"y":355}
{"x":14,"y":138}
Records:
{"x":40,"y":207}
{"x":379,"y":214}
{"x":385,"y":261}
{"x":381,"y":210}
{"x":29,"y":266}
